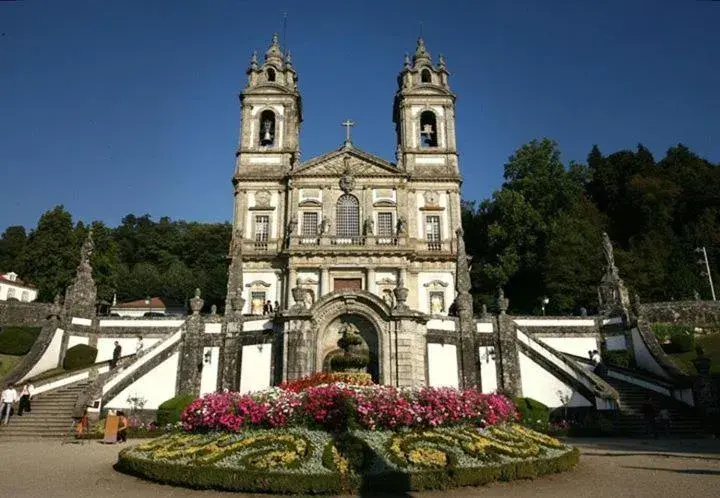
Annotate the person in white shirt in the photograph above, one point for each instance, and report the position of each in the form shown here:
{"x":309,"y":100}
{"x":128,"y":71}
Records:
{"x":9,"y":397}
{"x":139,"y":346}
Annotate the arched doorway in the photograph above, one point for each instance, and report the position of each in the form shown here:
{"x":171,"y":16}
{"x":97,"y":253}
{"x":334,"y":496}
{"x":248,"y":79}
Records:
{"x":329,"y":341}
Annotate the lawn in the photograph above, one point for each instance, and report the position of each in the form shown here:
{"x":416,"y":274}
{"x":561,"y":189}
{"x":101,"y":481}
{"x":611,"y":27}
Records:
{"x":8,"y":362}
{"x":711,"y":345}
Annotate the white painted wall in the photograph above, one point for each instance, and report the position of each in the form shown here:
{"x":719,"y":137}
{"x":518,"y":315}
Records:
{"x":106,"y":345}
{"x":439,"y":324}
{"x":615,"y":342}
{"x":488,"y":370}
{"x":423,"y":293}
{"x":272,"y":292}
{"x":50,"y":358}
{"x":541,"y":385}
{"x":81,"y":321}
{"x":156,"y":322}
{"x":213,"y":328}
{"x":74,"y":340}
{"x":555,"y":322}
{"x":19,"y":292}
{"x":255,"y":325}
{"x":644,"y":358}
{"x":579,"y":346}
{"x":208,"y":378}
{"x":484,"y":328}
{"x":156,"y":386}
{"x":442,"y":365}
{"x":255,"y":367}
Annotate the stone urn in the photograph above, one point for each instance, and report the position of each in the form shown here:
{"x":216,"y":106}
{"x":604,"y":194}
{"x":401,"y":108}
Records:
{"x":237,"y":303}
{"x":401,"y":295}
{"x":196,"y":303}
{"x":298,"y":294}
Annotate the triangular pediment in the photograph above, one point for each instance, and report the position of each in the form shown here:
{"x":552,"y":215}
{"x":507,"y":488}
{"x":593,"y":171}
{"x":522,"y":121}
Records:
{"x":358,"y":162}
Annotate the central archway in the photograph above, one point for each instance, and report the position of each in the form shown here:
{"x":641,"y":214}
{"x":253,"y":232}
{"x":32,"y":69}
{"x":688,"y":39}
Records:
{"x":328,"y":346}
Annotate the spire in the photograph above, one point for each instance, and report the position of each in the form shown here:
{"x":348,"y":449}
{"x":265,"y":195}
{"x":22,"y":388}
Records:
{"x":274,"y":54}
{"x":81,"y":295}
{"x":462,"y":279}
{"x":421,"y":53}
{"x":254,"y":60}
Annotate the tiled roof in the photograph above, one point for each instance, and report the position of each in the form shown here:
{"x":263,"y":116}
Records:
{"x":155,"y":303}
{"x":17,"y":281}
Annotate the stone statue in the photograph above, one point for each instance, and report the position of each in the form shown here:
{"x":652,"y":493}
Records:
{"x":401,"y":225}
{"x":608,"y":251}
{"x":325,"y":226}
{"x":503,"y":303}
{"x":388,"y":298}
{"x":292,"y":226}
{"x":307,"y":299}
{"x":696,"y":295}
{"x":368,"y":226}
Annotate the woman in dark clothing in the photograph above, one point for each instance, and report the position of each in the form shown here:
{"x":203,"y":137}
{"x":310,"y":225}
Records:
{"x":24,"y":404}
{"x":122,"y":427}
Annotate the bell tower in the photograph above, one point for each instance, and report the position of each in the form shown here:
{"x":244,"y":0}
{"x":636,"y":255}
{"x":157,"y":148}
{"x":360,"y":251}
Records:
{"x":271,"y":114}
{"x":424,"y":117}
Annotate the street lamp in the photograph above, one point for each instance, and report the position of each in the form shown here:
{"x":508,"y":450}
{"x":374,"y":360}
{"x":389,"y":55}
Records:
{"x":544,"y":302}
{"x":702,"y":251}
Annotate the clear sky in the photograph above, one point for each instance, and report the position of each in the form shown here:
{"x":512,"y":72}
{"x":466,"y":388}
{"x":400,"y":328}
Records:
{"x":117,"y":107}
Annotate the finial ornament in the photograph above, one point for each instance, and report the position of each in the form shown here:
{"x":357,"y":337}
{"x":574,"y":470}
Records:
{"x":274,"y":51}
{"x":441,"y":61}
{"x":254,"y":60}
{"x":421,"y":53}
{"x":407,"y":61}
{"x":288,"y":58}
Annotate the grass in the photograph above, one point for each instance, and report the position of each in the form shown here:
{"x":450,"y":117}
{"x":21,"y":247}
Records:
{"x":711,"y":346}
{"x":8,"y":362}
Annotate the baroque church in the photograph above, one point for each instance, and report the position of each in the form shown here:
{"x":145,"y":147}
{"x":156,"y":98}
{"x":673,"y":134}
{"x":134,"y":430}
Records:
{"x":346,"y":238}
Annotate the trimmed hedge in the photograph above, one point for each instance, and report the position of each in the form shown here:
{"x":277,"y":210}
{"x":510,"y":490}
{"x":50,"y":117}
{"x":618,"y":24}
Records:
{"x":169,"y":411}
{"x":618,"y":358}
{"x":533,"y":412}
{"x":18,"y":340}
{"x":253,"y":481}
{"x":79,"y":356}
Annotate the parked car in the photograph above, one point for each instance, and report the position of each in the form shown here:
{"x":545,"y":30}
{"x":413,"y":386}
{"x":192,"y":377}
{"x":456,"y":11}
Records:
{"x":152,"y":314}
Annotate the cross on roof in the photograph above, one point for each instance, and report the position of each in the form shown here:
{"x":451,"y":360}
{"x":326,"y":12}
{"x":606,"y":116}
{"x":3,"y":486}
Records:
{"x":347,"y":124}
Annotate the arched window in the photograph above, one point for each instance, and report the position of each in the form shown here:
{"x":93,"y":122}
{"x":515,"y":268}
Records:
{"x":425,"y":76}
{"x":25,"y":296}
{"x":270,"y":74}
{"x":428,"y":130}
{"x":348,"y":216}
{"x":267,"y":128}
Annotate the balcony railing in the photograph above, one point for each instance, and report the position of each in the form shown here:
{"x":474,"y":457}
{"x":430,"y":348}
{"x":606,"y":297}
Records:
{"x":434,"y":245}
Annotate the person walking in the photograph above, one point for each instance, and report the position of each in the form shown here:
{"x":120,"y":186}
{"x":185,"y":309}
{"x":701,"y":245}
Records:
{"x":9,"y":397}
{"x":25,"y":396}
{"x":116,"y":355}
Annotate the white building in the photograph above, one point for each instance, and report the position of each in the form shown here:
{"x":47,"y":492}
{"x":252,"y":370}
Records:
{"x":11,"y":287}
{"x":139,"y":307}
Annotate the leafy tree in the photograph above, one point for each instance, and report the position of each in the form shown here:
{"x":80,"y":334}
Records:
{"x":12,"y":247}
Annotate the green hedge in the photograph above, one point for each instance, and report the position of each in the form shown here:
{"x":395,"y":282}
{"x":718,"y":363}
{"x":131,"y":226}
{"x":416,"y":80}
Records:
{"x":79,"y":356}
{"x":18,"y":340}
{"x":618,"y":358}
{"x":169,"y":411}
{"x":228,"y":478}
{"x":533,"y":413}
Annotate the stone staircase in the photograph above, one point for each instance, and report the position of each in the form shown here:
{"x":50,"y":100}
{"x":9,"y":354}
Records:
{"x":684,"y":421}
{"x":51,"y":415}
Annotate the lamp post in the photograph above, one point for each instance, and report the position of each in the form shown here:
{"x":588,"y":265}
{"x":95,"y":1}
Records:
{"x":544,"y":302}
{"x":702,"y":251}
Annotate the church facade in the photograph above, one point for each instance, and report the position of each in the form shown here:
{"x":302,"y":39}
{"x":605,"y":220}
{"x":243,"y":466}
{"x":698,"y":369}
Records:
{"x":346,"y":237}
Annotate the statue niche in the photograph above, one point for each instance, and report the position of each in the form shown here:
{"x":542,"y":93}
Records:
{"x":356,"y":348}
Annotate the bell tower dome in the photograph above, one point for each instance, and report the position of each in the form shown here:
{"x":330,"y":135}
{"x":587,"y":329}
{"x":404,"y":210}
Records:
{"x":424,"y":116}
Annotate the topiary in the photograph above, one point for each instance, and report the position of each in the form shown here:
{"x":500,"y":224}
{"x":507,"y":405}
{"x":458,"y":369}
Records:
{"x":79,"y":356}
{"x":18,"y":340}
{"x":169,"y":411}
{"x":618,"y":358}
{"x":532,"y":412}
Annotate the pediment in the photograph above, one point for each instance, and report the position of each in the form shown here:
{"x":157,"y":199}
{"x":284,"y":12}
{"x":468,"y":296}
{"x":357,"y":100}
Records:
{"x":359,"y":163}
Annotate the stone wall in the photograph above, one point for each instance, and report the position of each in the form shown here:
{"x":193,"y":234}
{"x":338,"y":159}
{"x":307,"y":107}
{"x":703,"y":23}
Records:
{"x":703,"y":314}
{"x":19,"y":314}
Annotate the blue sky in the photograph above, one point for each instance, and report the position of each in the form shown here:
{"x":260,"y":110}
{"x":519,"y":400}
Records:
{"x":125,"y":107}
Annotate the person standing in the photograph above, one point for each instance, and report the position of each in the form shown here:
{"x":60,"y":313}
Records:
{"x":116,"y":355}
{"x":139,"y":346}
{"x":9,"y":397}
{"x":25,"y":396}
{"x":122,"y":427}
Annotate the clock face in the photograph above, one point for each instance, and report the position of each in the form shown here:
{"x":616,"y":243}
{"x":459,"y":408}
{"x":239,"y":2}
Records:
{"x":431,"y":198}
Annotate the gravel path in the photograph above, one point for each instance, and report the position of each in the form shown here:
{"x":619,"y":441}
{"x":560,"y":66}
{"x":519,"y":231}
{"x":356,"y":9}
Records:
{"x":608,"y":468}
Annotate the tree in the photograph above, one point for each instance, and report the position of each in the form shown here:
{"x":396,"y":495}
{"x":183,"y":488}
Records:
{"x":12,"y":248}
{"x":50,"y":256}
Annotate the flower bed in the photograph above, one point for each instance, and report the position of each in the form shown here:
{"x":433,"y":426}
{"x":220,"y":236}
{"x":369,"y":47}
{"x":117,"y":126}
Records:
{"x":301,"y":460}
{"x":338,"y":406}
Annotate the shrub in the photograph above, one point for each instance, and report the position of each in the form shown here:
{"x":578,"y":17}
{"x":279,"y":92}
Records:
{"x":532,"y":412}
{"x":618,"y":358}
{"x":664,"y":331}
{"x":18,"y":340}
{"x":79,"y":356}
{"x":169,"y":411}
{"x":682,"y":342}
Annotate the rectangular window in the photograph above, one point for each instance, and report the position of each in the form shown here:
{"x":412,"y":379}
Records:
{"x":309,"y":225}
{"x":432,"y":230}
{"x":385,"y":224}
{"x":257,"y":300}
{"x":437,"y":302}
{"x":262,"y":231}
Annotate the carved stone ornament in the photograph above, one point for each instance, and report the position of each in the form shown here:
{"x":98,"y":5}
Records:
{"x":258,"y":283}
{"x":347,"y":181}
{"x":262,"y":198}
{"x":432,"y":198}
{"x":435,"y":283}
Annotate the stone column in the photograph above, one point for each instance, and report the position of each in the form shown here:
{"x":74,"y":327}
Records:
{"x":191,"y":360}
{"x":370,"y":280}
{"x":292,"y":282}
{"x":324,"y":281}
{"x":508,"y":360}
{"x":410,"y":352}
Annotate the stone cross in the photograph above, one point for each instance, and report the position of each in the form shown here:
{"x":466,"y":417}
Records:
{"x":347,"y":124}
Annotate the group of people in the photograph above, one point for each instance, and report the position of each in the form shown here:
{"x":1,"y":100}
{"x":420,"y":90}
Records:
{"x":268,"y":308}
{"x":599,"y":367}
{"x":117,"y":351}
{"x":10,"y":397}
